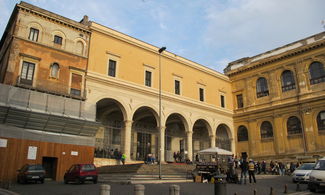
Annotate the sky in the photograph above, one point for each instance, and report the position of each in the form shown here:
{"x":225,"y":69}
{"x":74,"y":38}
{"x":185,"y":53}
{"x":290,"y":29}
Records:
{"x":209,"y":32}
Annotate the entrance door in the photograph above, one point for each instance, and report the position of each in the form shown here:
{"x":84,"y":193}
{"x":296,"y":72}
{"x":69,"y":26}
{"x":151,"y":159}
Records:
{"x":50,"y":164}
{"x":144,"y":145}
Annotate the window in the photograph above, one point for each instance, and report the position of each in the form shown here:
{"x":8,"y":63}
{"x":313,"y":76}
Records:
{"x":242,"y":134}
{"x":317,"y":73}
{"x":261,"y":87}
{"x":76,"y":85}
{"x":240,"y":102}
{"x":148,"y":79}
{"x":321,"y":121}
{"x":57,"y":39}
{"x":27,"y":73}
{"x":201,"y":91}
{"x":294,"y":126}
{"x":222,"y":101}
{"x":55,"y":70}
{"x":266,"y":130}
{"x":112,"y":68}
{"x":177,"y":87}
{"x":33,"y":34}
{"x":288,"y":81}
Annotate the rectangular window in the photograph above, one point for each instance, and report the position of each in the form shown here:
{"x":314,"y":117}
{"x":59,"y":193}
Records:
{"x":111,"y":68}
{"x":177,"y":87}
{"x":148,"y":79}
{"x":222,"y":101}
{"x":201,"y":94}
{"x":33,"y":34}
{"x":240,"y":103}
{"x":57,"y":39}
{"x":76,"y":85}
{"x":27,"y":73}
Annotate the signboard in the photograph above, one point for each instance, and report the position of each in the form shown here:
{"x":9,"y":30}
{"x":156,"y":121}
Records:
{"x":3,"y":143}
{"x":32,"y":153}
{"x":74,"y":153}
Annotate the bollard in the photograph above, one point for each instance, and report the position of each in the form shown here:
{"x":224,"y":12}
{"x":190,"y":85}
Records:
{"x":139,"y":189}
{"x":285,"y":189}
{"x":298,"y":187}
{"x":255,"y":192}
{"x":220,"y":188}
{"x":174,"y":190}
{"x":105,"y":189}
{"x":272,"y":191}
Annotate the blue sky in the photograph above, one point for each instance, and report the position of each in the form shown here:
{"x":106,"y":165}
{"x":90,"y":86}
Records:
{"x":209,"y":32}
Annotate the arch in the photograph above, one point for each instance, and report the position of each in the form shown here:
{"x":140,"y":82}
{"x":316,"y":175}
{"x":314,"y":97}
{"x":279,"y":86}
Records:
{"x":287,"y":81}
{"x":37,"y":26}
{"x":294,"y":125}
{"x":242,"y":133}
{"x":80,"y":46}
{"x":261,"y":87}
{"x":61,"y":34}
{"x":223,"y":140}
{"x":206,"y":122}
{"x":151,"y":108}
{"x":54,"y":70}
{"x":316,"y":72}
{"x":321,"y":120}
{"x":106,"y":102}
{"x":181,"y":116}
{"x":266,"y":130}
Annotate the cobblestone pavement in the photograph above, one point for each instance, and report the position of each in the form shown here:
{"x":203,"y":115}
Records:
{"x":263,"y":186}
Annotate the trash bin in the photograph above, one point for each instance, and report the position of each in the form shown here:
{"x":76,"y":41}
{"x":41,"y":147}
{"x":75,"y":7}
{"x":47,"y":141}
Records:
{"x":220,"y":185}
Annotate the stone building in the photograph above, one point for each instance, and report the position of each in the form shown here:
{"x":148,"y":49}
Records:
{"x":43,"y":114}
{"x":279,"y":101}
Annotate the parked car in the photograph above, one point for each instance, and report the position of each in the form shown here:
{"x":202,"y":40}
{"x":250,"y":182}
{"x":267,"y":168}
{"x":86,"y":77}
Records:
{"x":317,"y":176}
{"x":301,"y":174}
{"x":80,"y":173}
{"x":29,"y":172}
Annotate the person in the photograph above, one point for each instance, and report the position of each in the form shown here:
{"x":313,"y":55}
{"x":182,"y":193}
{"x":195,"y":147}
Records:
{"x":197,"y":158}
{"x":175,"y":156}
{"x":243,"y":167}
{"x":264,"y":167}
{"x":123,"y":157}
{"x":251,"y":171}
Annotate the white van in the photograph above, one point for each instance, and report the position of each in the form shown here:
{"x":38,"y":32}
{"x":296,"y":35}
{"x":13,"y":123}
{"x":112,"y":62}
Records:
{"x":317,"y":176}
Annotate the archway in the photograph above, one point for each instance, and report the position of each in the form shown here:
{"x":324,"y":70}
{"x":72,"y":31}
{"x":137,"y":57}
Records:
{"x":222,"y":138}
{"x":175,"y":138}
{"x":200,"y":138}
{"x":145,"y":134}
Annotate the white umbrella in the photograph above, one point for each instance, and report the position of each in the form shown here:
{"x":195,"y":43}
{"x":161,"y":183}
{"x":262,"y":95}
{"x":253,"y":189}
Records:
{"x":215,"y":150}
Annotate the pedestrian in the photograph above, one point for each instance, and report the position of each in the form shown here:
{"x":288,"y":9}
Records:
{"x":175,"y":156}
{"x":244,"y":168}
{"x":197,"y":158}
{"x":123,"y":157}
{"x":251,"y":171}
{"x":264,"y":167}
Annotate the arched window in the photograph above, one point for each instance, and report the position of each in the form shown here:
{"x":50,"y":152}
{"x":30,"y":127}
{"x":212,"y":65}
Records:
{"x":80,"y":47}
{"x":55,"y":70}
{"x":266,"y":130}
{"x":294,"y":125}
{"x":317,"y":73}
{"x":321,"y":121}
{"x":261,"y":87}
{"x":288,"y":81}
{"x":242,"y":134}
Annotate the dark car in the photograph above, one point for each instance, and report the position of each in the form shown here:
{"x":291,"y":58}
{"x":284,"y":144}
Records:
{"x":29,"y":172}
{"x":80,"y":173}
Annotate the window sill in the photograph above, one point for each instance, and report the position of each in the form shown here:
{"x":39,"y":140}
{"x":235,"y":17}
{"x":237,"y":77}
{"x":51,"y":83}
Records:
{"x":269,"y":139}
{"x":295,"y":135}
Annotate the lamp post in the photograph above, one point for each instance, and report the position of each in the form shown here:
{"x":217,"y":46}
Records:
{"x":159,"y":97}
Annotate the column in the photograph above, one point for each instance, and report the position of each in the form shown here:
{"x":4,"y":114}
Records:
{"x":278,"y":131}
{"x":189,"y":143}
{"x":127,"y":139}
{"x":161,"y":148}
{"x":308,"y":130}
{"x":212,"y":141}
{"x":253,"y":139}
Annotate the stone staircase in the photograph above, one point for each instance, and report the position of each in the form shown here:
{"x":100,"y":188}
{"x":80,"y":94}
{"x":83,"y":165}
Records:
{"x":144,"y":173}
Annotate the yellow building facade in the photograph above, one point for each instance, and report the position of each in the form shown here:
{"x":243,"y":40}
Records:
{"x":280,"y":101}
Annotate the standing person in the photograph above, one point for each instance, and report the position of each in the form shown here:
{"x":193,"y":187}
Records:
{"x":244,"y":168}
{"x":251,"y":171}
{"x":175,"y":156}
{"x":258,"y":167}
{"x":123,"y":157}
{"x":264,"y":167}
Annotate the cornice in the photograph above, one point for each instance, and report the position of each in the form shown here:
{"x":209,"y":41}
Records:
{"x":148,"y":47}
{"x":53,"y":17}
{"x":277,"y":58}
{"x":129,"y":86}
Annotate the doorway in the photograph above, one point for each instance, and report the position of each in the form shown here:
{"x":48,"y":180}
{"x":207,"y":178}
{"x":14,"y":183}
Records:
{"x":50,"y":165}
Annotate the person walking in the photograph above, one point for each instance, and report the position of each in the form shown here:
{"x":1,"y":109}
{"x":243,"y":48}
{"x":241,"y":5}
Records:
{"x":251,"y":171}
{"x":244,"y":168}
{"x":123,"y":157}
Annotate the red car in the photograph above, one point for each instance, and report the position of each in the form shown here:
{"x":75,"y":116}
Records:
{"x":80,"y":173}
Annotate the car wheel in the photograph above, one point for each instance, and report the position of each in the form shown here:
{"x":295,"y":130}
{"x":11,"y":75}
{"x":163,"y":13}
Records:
{"x":311,"y":187}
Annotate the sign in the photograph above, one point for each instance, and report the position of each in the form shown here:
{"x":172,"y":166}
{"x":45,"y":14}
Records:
{"x":32,"y":153}
{"x":74,"y":153}
{"x":3,"y":143}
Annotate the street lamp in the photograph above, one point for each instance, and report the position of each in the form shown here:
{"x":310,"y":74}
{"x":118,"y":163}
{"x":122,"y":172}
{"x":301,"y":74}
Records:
{"x":159,"y":97}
